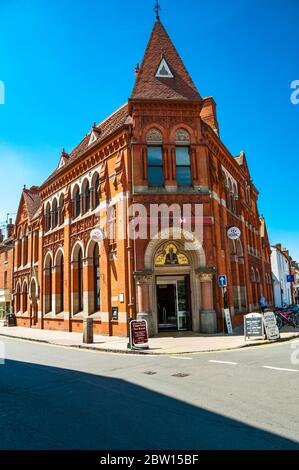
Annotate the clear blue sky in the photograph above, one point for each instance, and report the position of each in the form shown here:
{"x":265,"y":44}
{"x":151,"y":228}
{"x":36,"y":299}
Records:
{"x":68,"y":63}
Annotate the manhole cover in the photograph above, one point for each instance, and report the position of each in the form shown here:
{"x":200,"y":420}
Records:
{"x":180,"y":374}
{"x":150,"y":372}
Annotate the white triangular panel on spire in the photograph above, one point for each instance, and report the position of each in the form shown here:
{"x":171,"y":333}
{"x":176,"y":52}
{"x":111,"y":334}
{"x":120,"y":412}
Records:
{"x":164,"y":70}
{"x":61,"y":162}
{"x":92,"y":139}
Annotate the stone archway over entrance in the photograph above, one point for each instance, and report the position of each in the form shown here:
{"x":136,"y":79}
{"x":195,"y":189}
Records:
{"x":175,"y":290}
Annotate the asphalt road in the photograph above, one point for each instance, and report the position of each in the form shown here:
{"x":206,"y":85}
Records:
{"x":60,"y":398}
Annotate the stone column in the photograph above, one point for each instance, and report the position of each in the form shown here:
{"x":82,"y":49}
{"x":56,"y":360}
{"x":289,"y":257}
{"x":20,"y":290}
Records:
{"x":143,"y":303}
{"x":208,"y":318}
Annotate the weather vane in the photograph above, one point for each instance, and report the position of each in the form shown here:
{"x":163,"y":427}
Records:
{"x":157,"y":9}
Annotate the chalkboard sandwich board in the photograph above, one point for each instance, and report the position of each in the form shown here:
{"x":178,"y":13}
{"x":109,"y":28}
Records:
{"x":253,"y":326}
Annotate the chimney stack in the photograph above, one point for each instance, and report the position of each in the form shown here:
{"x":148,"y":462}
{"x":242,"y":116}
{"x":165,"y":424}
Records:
{"x":9,"y":229}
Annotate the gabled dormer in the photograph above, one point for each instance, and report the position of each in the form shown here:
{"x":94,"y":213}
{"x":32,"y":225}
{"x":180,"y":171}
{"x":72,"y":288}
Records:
{"x":95,"y":133}
{"x":63,"y":158}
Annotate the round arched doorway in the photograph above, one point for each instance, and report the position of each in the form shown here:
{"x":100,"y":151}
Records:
{"x":173,"y":294}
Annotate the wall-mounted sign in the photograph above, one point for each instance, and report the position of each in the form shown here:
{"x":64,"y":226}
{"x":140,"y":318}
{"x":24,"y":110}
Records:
{"x":233,"y":233}
{"x":270,"y":325}
{"x":138,"y":334}
{"x":228,"y":321}
{"x":290,"y":278}
{"x":97,"y":235}
{"x":222,"y":280}
{"x":114,"y":313}
{"x":253,"y":325}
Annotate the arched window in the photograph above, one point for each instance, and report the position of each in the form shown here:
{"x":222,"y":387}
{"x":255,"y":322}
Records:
{"x":235,"y":198}
{"x":182,"y":157}
{"x":252,"y":275}
{"x":258,"y":277}
{"x":48,"y":290}
{"x":154,"y":158}
{"x":61,"y":209}
{"x":61,"y":278}
{"x":96,"y":186}
{"x":55,"y":213}
{"x":17,"y":299}
{"x":19,"y":248}
{"x":86,"y":196}
{"x":25,"y":296}
{"x":80,"y":280}
{"x":239,"y":249}
{"x":25,"y":247}
{"x":48,"y":218}
{"x":76,"y":202}
{"x":35,"y":245}
{"x":96,"y":278}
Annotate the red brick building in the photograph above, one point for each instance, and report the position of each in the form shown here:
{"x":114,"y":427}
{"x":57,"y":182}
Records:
{"x":6,"y":264}
{"x":161,"y":147}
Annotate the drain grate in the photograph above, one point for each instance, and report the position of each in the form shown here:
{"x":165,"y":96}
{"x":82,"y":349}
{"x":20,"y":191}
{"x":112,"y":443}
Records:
{"x":180,"y":374}
{"x":150,"y":372}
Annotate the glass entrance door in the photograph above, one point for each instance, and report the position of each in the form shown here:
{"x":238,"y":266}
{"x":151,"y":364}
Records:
{"x":173,"y":303}
{"x":183,"y":310}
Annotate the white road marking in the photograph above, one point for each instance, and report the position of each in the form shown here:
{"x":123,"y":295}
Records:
{"x":225,"y":362}
{"x":182,"y":358}
{"x":281,"y":368}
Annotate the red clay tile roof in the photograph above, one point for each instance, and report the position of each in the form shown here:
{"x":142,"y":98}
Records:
{"x":106,"y":128}
{"x":148,"y":86}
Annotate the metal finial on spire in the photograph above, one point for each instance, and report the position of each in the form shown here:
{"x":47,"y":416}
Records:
{"x":157,"y":9}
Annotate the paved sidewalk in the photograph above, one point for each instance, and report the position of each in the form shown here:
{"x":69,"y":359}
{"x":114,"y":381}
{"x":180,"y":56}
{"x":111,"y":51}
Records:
{"x":168,"y":343}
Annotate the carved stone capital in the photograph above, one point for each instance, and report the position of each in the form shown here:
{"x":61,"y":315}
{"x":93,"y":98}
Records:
{"x":143,"y":277}
{"x":205,"y":277}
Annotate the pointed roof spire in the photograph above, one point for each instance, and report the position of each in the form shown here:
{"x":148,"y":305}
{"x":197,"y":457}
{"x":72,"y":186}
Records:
{"x":162,"y":75}
{"x":157,"y":10}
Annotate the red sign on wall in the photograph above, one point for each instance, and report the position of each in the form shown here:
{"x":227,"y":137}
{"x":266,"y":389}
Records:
{"x":138,"y":334}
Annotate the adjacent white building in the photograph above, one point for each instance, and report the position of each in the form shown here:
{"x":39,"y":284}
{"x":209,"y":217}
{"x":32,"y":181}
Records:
{"x":280,"y":270}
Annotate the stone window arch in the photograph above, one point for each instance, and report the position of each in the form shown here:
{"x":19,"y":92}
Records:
{"x":154,"y":137}
{"x":182,"y":137}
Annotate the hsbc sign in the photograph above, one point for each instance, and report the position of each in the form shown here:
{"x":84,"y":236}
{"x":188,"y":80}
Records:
{"x":233,"y":233}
